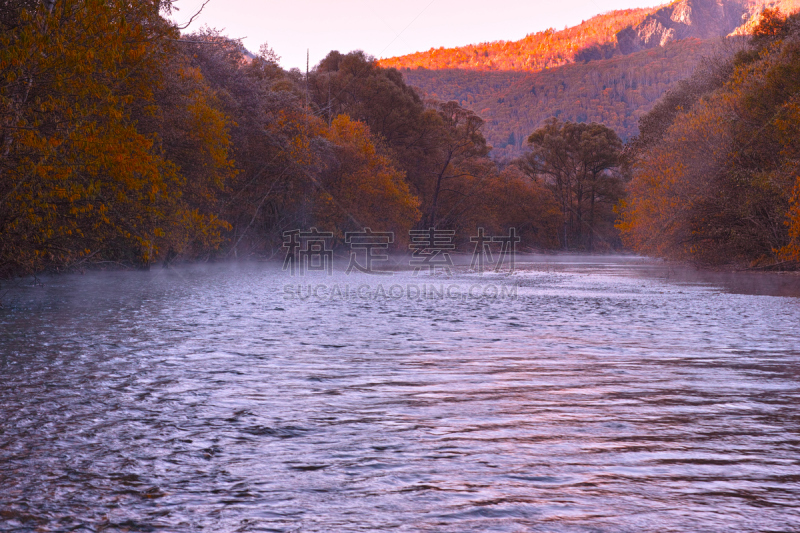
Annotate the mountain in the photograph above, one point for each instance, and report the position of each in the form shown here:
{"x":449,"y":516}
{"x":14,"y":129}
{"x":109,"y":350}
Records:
{"x":537,"y":51}
{"x":700,"y":19}
{"x":611,"y":68}
{"x":615,"y":92}
{"x":615,"y":33}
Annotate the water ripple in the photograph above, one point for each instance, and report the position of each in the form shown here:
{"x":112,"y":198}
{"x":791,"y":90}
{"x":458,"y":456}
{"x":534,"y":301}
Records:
{"x":604,"y":398}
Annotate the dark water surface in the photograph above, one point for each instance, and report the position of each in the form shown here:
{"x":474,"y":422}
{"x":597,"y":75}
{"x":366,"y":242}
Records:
{"x":611,"y":395}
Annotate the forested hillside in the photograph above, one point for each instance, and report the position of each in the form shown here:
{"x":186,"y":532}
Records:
{"x":537,"y":51}
{"x":125,"y":143}
{"x":609,"y":69}
{"x":618,"y":32}
{"x":615,"y":92}
{"x":716,"y":178}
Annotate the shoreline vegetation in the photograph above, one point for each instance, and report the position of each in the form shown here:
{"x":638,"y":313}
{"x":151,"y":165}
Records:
{"x":126,"y":144}
{"x":716,"y":166}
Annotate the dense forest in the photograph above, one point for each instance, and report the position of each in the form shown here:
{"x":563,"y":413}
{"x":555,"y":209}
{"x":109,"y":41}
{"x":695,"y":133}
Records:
{"x":716,"y":172}
{"x":126,"y":143}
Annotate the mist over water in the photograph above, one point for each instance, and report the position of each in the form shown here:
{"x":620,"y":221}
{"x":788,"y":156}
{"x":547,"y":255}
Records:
{"x":596,"y":394}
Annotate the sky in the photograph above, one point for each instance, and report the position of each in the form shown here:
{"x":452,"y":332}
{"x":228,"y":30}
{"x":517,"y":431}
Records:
{"x":385,"y":28}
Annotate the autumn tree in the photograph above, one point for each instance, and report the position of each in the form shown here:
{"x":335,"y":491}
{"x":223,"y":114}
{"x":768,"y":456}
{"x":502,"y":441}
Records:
{"x":80,"y":179}
{"x":439,"y":146}
{"x":355,"y":85}
{"x":362,"y":188}
{"x":719,"y":186}
{"x":460,"y":159}
{"x":12,"y":11}
{"x":508,"y":198}
{"x":276,"y":145}
{"x":123,"y":142}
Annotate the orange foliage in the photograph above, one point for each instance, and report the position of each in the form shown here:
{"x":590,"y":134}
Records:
{"x":537,"y":51}
{"x":791,"y":252}
{"x":615,"y":92}
{"x":79,"y":178}
{"x":365,"y":189}
{"x":721,"y":184}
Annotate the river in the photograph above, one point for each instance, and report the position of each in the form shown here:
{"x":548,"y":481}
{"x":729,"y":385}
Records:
{"x":601,"y":394}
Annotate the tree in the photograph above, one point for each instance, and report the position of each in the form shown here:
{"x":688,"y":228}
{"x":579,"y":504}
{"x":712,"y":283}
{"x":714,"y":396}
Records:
{"x":362,"y":188}
{"x":438,"y":146}
{"x":122,"y":142}
{"x":80,"y":177}
{"x":580,"y":162}
{"x":460,"y":150}
{"x":275,"y":143}
{"x":508,"y":198}
{"x":12,"y":10}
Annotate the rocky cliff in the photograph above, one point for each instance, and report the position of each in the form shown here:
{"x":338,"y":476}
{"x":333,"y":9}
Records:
{"x":701,"y":19}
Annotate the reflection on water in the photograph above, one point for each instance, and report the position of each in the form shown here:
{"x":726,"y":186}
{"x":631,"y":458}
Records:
{"x":608,"y":395}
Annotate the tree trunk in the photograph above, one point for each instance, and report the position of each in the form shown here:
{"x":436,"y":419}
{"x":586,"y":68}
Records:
{"x":591,"y":218}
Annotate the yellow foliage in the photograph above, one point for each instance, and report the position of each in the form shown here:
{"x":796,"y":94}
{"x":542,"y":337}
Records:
{"x":79,"y":177}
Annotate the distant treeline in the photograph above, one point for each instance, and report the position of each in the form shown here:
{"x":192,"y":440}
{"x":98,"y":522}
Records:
{"x":716,"y":167}
{"x":125,"y":143}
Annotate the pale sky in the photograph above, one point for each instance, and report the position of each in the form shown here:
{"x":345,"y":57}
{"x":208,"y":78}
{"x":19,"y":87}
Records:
{"x":386,"y":28}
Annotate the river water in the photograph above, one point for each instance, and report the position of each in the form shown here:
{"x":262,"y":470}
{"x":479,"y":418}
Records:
{"x":577,"y":395}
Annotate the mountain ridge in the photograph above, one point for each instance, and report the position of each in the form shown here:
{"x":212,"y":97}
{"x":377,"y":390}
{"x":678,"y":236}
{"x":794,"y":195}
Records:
{"x":615,"y":92}
{"x":611,"y":74}
{"x":603,"y":36}
{"x":536,"y":51}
